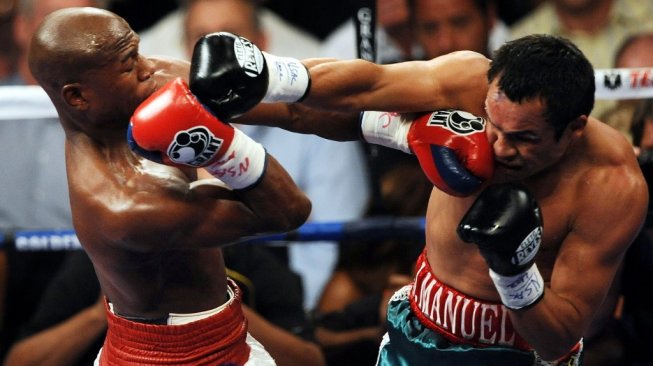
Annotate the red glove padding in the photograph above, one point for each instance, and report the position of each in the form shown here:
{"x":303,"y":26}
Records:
{"x":173,"y":126}
{"x":173,"y":122}
{"x":453,"y":150}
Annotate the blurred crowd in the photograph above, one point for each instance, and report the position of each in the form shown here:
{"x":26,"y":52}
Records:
{"x":327,"y":296}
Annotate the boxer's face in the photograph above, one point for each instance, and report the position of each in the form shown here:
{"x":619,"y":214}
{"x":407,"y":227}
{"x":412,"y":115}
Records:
{"x":124,"y":78}
{"x":524,"y":143}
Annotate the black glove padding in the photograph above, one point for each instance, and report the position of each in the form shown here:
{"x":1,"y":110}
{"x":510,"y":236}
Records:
{"x":506,"y":224}
{"x":228,"y":74}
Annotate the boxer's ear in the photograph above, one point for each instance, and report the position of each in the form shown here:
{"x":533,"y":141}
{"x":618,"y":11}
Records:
{"x":577,"y":126}
{"x":73,"y":96}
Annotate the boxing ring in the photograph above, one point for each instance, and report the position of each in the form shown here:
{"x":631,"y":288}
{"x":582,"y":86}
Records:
{"x":31,"y":102}
{"x":369,"y":229}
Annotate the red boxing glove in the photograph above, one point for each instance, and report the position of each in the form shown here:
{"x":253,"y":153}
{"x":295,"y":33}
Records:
{"x":453,"y":150}
{"x":451,"y":145}
{"x":172,"y":127}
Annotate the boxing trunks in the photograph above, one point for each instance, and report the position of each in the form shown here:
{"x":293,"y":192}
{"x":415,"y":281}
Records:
{"x":430,"y":323}
{"x":214,"y":337}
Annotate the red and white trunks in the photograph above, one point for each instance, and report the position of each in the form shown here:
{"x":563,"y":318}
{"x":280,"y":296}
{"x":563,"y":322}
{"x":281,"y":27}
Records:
{"x":217,"y":339}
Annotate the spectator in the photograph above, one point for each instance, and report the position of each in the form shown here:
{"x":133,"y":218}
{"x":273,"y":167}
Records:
{"x":338,"y":193}
{"x":597,"y":27}
{"x":165,"y":36}
{"x":637,"y":314}
{"x":69,"y":326}
{"x":424,"y":29}
{"x":34,"y":198}
{"x":7,"y":46}
{"x":394,"y":36}
{"x":636,"y":51}
{"x":443,"y":26}
{"x":350,"y":317}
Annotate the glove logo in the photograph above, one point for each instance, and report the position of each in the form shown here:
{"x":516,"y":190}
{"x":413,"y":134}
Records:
{"x":460,"y":122}
{"x":194,"y":147}
{"x":528,"y":248}
{"x":249,"y":57}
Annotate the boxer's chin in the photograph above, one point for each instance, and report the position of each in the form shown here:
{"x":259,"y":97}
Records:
{"x":505,"y":175}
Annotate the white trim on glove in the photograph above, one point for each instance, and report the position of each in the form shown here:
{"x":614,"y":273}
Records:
{"x":387,"y":129}
{"x":288,"y":79}
{"x":242,"y":165}
{"x":521,"y":290}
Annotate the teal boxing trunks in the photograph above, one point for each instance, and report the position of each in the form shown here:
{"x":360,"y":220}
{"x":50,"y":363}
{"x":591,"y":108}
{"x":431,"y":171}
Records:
{"x":430,"y":323}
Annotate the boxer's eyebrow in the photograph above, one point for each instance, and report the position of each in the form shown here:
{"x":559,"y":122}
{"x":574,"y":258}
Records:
{"x":523,"y":135}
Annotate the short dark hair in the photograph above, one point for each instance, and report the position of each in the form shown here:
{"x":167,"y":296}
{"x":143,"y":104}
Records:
{"x":548,"y":67}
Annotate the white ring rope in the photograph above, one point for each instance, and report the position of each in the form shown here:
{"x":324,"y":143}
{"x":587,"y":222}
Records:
{"x":636,"y":83}
{"x":25,"y":102}
{"x":31,"y":102}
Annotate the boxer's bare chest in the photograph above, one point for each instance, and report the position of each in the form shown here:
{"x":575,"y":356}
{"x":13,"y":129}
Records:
{"x":460,"y":264}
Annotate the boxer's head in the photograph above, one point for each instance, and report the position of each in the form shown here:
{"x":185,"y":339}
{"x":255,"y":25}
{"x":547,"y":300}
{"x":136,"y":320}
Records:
{"x":540,"y":96}
{"x":548,"y":68}
{"x":87,"y":60}
{"x":28,"y":16}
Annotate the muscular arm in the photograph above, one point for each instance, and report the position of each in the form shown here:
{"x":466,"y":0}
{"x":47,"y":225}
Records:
{"x":341,"y":89}
{"x":158,"y":211}
{"x":586,"y":264}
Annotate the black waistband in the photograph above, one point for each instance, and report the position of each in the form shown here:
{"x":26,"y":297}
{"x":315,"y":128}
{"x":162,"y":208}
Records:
{"x":156,"y":321}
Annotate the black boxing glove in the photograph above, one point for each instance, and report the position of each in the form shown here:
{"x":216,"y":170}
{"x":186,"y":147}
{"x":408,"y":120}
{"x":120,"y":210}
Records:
{"x":505,"y":223}
{"x":230,"y":75}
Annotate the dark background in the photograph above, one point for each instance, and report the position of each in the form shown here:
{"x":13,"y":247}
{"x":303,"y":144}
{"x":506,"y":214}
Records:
{"x":318,"y":17}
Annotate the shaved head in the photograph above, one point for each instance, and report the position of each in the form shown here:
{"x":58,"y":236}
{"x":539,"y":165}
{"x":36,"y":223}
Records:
{"x":69,"y":42}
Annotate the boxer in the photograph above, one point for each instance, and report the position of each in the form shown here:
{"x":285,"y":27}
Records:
{"x":153,"y":239}
{"x":534,"y":201}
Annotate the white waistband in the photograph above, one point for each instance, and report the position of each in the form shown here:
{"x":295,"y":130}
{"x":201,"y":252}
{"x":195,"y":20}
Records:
{"x":185,"y":318}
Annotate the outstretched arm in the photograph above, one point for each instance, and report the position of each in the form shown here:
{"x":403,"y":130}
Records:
{"x":340,"y":90}
{"x":456,"y":80}
{"x":231,"y":84}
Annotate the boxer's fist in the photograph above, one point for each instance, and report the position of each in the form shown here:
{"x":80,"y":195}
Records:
{"x":451,"y":145}
{"x":172,"y":127}
{"x":506,"y":224}
{"x":453,"y":150}
{"x":230,"y":75}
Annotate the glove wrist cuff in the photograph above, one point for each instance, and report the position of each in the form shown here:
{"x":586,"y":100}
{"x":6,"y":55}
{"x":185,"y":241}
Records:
{"x":521,"y":290}
{"x":386,"y":129}
{"x":288,"y":79}
{"x":242,"y":165}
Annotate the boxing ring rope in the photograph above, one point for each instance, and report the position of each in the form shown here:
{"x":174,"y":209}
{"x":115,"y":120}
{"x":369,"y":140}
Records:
{"x":31,"y":102}
{"x":368,"y":229}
